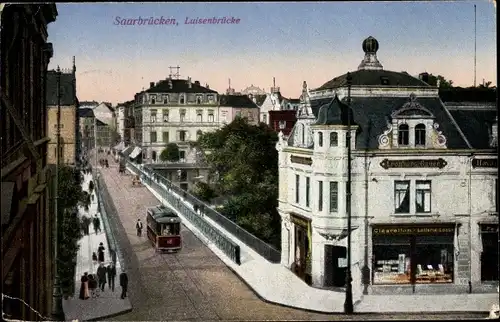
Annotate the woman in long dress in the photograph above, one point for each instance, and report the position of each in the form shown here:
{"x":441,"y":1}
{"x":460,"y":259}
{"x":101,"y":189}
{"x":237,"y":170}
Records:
{"x":84,"y":289}
{"x":100,"y":252}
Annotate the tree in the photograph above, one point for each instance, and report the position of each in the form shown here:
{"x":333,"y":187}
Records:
{"x":170,"y":153}
{"x":244,"y":160}
{"x":204,"y":192}
{"x":443,"y":82}
{"x":71,"y":195}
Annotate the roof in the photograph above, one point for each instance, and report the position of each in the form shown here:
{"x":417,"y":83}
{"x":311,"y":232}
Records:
{"x":86,"y":112}
{"x":333,"y":113}
{"x":474,"y":94}
{"x":476,"y":125}
{"x":259,"y":99}
{"x":373,"y":113}
{"x":163,"y":215}
{"x":178,"y":86}
{"x":89,"y":103}
{"x":293,"y":100}
{"x":68,"y":96}
{"x":374,"y":78}
{"x":100,"y":123}
{"x":242,"y":101}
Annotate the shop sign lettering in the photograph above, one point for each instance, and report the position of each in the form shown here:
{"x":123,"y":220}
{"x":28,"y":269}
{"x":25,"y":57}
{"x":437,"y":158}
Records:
{"x":412,"y":230}
{"x":438,"y":163}
{"x":301,"y":160}
{"x":489,"y":228}
{"x":485,"y":163}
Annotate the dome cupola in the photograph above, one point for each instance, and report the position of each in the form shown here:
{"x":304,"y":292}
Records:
{"x":370,"y":62}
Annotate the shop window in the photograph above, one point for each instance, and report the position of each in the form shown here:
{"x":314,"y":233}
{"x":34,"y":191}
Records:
{"x":403,"y":134}
{"x":420,"y":135}
{"x":308,"y":184}
{"x":320,"y":138}
{"x":391,"y":260}
{"x":423,"y":196}
{"x":402,"y":197}
{"x":334,"y":139}
{"x":297,"y":186}
{"x":489,"y":254}
{"x":334,"y":196}
{"x":320,"y":195}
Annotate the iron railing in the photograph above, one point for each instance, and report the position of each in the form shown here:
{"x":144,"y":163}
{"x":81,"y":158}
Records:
{"x":224,"y":243}
{"x":262,"y":248}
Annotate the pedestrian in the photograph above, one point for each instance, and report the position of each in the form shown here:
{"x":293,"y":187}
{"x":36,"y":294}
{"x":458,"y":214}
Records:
{"x":124,"y":284}
{"x":84,"y":289}
{"x":97,"y":224}
{"x":138,"y":226}
{"x":113,"y":257}
{"x":111,"y":271}
{"x":100,"y":253}
{"x":94,"y":257}
{"x":101,"y":276}
{"x":92,"y":286}
{"x":82,"y":226}
{"x":86,"y":223}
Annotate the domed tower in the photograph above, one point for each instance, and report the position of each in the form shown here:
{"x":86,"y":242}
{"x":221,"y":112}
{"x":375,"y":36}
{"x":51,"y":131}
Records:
{"x":370,"y":62}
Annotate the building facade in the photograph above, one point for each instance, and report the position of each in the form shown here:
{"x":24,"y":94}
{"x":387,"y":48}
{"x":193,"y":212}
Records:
{"x":87,"y":123}
{"x":423,"y":190}
{"x":283,"y":121}
{"x":27,"y":223}
{"x":70,"y":141}
{"x":124,"y":119}
{"x":106,"y":126}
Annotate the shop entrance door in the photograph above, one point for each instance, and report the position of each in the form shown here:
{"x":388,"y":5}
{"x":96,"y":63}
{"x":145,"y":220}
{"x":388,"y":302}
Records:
{"x":489,"y":256}
{"x":335,"y":274}
{"x":300,"y":251}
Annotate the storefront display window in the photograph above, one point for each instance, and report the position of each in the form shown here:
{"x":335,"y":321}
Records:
{"x":413,"y":255}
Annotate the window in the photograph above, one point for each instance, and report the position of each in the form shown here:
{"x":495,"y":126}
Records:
{"x":210,"y":115}
{"x":153,"y":156}
{"x":153,"y":99}
{"x":403,"y":137}
{"x":402,"y":197}
{"x":165,"y":115}
{"x":198,"y":99}
{"x":182,"y":136}
{"x":182,"y":155}
{"x":165,"y":137}
{"x":250,"y":116}
{"x":423,"y":196}
{"x":153,"y":116}
{"x":297,"y":187}
{"x":210,"y":98}
{"x":153,"y":137}
{"x":334,"y":139}
{"x":420,"y":134}
{"x":264,"y":118}
{"x":182,"y":99}
{"x":308,"y":183}
{"x":165,"y":99}
{"x":334,"y":196}
{"x":60,"y":126}
{"x":199,"y":116}
{"x":198,"y":134}
{"x":320,"y":195}
{"x":320,"y":138}
{"x":223,"y":115}
{"x":282,"y":125}
{"x":182,"y":115}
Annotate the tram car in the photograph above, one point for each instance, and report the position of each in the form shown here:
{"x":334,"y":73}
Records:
{"x":164,"y":229}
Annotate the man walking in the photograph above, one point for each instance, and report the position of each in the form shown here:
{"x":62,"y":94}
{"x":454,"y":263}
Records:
{"x":97,"y":224}
{"x":111,"y":270}
{"x":138,"y":226}
{"x":101,"y":276}
{"x":124,"y":283}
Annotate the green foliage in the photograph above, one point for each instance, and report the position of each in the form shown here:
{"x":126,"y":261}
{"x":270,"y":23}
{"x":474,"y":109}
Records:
{"x":71,"y":195}
{"x":444,"y":83}
{"x":204,"y":192}
{"x":244,"y":160}
{"x":170,"y":153}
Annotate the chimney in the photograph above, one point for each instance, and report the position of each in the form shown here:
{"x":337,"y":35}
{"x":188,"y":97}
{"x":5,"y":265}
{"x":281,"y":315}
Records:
{"x":207,"y":86}
{"x":197,"y":83}
{"x":190,"y":85}
{"x":151,"y":84}
{"x":424,"y":77}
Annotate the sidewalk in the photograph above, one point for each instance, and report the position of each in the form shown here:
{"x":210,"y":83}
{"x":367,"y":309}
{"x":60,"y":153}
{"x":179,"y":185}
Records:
{"x":275,"y":283}
{"x":108,"y":303}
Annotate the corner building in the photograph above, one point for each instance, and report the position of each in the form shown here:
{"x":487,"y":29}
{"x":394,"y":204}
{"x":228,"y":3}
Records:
{"x":424,"y":187}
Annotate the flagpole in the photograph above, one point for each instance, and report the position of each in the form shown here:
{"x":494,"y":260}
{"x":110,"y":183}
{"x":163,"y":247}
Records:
{"x":475,"y":44}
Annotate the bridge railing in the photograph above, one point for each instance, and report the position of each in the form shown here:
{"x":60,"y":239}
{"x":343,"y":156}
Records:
{"x":224,"y":243}
{"x":262,"y":248}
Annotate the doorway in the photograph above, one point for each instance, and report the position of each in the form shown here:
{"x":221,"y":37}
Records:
{"x":489,"y":255}
{"x":334,"y":270}
{"x":301,"y":253}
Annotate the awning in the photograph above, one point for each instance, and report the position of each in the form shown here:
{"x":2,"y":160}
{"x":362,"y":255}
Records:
{"x":120,"y":146}
{"x":7,"y":194}
{"x":135,"y":152}
{"x":127,"y":151}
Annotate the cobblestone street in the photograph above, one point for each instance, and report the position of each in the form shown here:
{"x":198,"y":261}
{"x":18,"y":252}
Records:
{"x":193,"y":284}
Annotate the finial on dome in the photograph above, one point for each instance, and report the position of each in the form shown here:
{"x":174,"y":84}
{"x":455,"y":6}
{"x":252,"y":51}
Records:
{"x":370,"y":62}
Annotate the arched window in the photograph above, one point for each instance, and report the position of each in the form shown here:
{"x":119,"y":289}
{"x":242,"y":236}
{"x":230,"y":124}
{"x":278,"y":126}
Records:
{"x":153,"y":156}
{"x":420,"y":134}
{"x":182,"y":99}
{"x":334,"y":139}
{"x":320,"y":138}
{"x":403,"y":134}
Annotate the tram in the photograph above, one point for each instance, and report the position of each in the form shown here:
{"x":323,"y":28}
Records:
{"x":164,"y":229}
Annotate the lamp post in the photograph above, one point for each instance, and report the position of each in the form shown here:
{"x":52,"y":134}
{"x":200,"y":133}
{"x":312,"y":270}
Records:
{"x":348,"y":305}
{"x":57,"y":309}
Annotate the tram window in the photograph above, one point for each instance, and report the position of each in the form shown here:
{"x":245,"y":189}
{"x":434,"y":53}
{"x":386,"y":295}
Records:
{"x":170,"y":229}
{"x":166,"y":231}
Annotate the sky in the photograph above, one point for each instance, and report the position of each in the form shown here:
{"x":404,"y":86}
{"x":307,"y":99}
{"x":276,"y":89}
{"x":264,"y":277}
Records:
{"x":292,"y":42}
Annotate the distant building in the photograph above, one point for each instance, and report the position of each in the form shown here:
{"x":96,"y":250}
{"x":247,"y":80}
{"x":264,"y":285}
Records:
{"x":106,"y":131}
{"x":232,"y":106}
{"x":88,"y":104}
{"x":283,"y":120}
{"x":124,"y":115}
{"x":27,"y":198}
{"x":253,"y":90}
{"x":424,"y":188}
{"x":69,"y":118}
{"x":87,"y":124}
